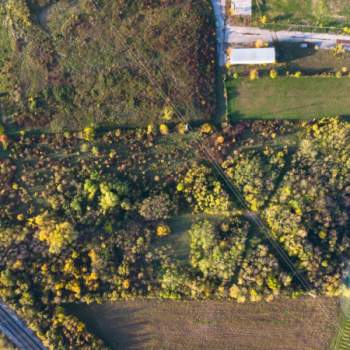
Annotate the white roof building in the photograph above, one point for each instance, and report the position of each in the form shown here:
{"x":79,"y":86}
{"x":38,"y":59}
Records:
{"x":252,"y":56}
{"x":241,"y":7}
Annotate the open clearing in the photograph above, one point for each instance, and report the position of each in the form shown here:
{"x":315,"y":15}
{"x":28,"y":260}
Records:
{"x":283,"y":324}
{"x":288,"y":98}
{"x":68,"y":78}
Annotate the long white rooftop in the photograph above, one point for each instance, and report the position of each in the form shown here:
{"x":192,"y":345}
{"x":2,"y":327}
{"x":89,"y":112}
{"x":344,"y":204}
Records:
{"x":252,"y":56}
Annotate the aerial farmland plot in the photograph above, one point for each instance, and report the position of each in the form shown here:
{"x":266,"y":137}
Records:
{"x":174,"y":325}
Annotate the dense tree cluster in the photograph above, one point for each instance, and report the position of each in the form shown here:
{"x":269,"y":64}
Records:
{"x":309,"y":212}
{"x":257,"y":173}
{"x":203,"y":191}
{"x":215,"y":256}
{"x":305,"y":201}
{"x":88,"y":217}
{"x":79,"y":225}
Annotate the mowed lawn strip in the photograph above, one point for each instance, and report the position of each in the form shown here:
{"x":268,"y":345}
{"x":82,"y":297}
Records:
{"x":288,"y":98}
{"x":205,"y":325}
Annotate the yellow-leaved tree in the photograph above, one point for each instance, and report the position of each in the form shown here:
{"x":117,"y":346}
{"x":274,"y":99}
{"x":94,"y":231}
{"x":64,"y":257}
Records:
{"x":57,"y":235}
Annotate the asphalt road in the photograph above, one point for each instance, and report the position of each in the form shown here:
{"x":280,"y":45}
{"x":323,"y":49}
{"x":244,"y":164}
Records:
{"x":219,"y":10}
{"x":17,"y":332}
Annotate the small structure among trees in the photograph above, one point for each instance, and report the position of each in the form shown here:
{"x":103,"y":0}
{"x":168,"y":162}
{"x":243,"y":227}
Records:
{"x":239,"y":11}
{"x":241,"y":7}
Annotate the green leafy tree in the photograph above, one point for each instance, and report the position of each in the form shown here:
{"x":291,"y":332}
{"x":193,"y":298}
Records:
{"x":214,"y":256}
{"x":203,"y":191}
{"x":108,"y":199}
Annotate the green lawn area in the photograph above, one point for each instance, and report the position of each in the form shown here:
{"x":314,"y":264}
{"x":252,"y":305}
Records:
{"x":288,"y":98}
{"x":342,"y":339}
{"x":307,"y":12}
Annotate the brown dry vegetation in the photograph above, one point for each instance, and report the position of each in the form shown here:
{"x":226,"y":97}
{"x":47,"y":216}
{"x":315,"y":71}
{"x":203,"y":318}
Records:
{"x":111,"y":62}
{"x":280,"y":325}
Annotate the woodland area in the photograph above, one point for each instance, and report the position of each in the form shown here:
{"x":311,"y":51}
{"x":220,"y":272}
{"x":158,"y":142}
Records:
{"x":83,"y":221}
{"x":106,"y":195}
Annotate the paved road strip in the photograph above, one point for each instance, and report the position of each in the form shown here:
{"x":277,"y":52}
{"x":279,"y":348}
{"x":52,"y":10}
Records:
{"x":17,"y":332}
{"x":219,"y":11}
{"x":248,"y":35}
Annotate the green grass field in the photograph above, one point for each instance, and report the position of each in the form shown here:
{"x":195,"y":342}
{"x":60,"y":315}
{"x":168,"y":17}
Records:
{"x":288,"y":98}
{"x":342,"y":339}
{"x":307,"y":12}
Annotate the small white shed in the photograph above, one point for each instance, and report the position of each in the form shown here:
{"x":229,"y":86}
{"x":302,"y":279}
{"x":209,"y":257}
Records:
{"x":252,"y":56}
{"x":241,"y":7}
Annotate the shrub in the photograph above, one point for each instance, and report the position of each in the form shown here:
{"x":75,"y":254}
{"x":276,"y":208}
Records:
{"x":163,"y":230}
{"x":206,"y":128}
{"x":163,"y":129}
{"x":253,"y":74}
{"x":181,"y":128}
{"x":89,"y":134}
{"x":168,"y":113}
{"x":158,"y":207}
{"x":108,"y":199}
{"x":273,"y":74}
{"x":20,"y":12}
